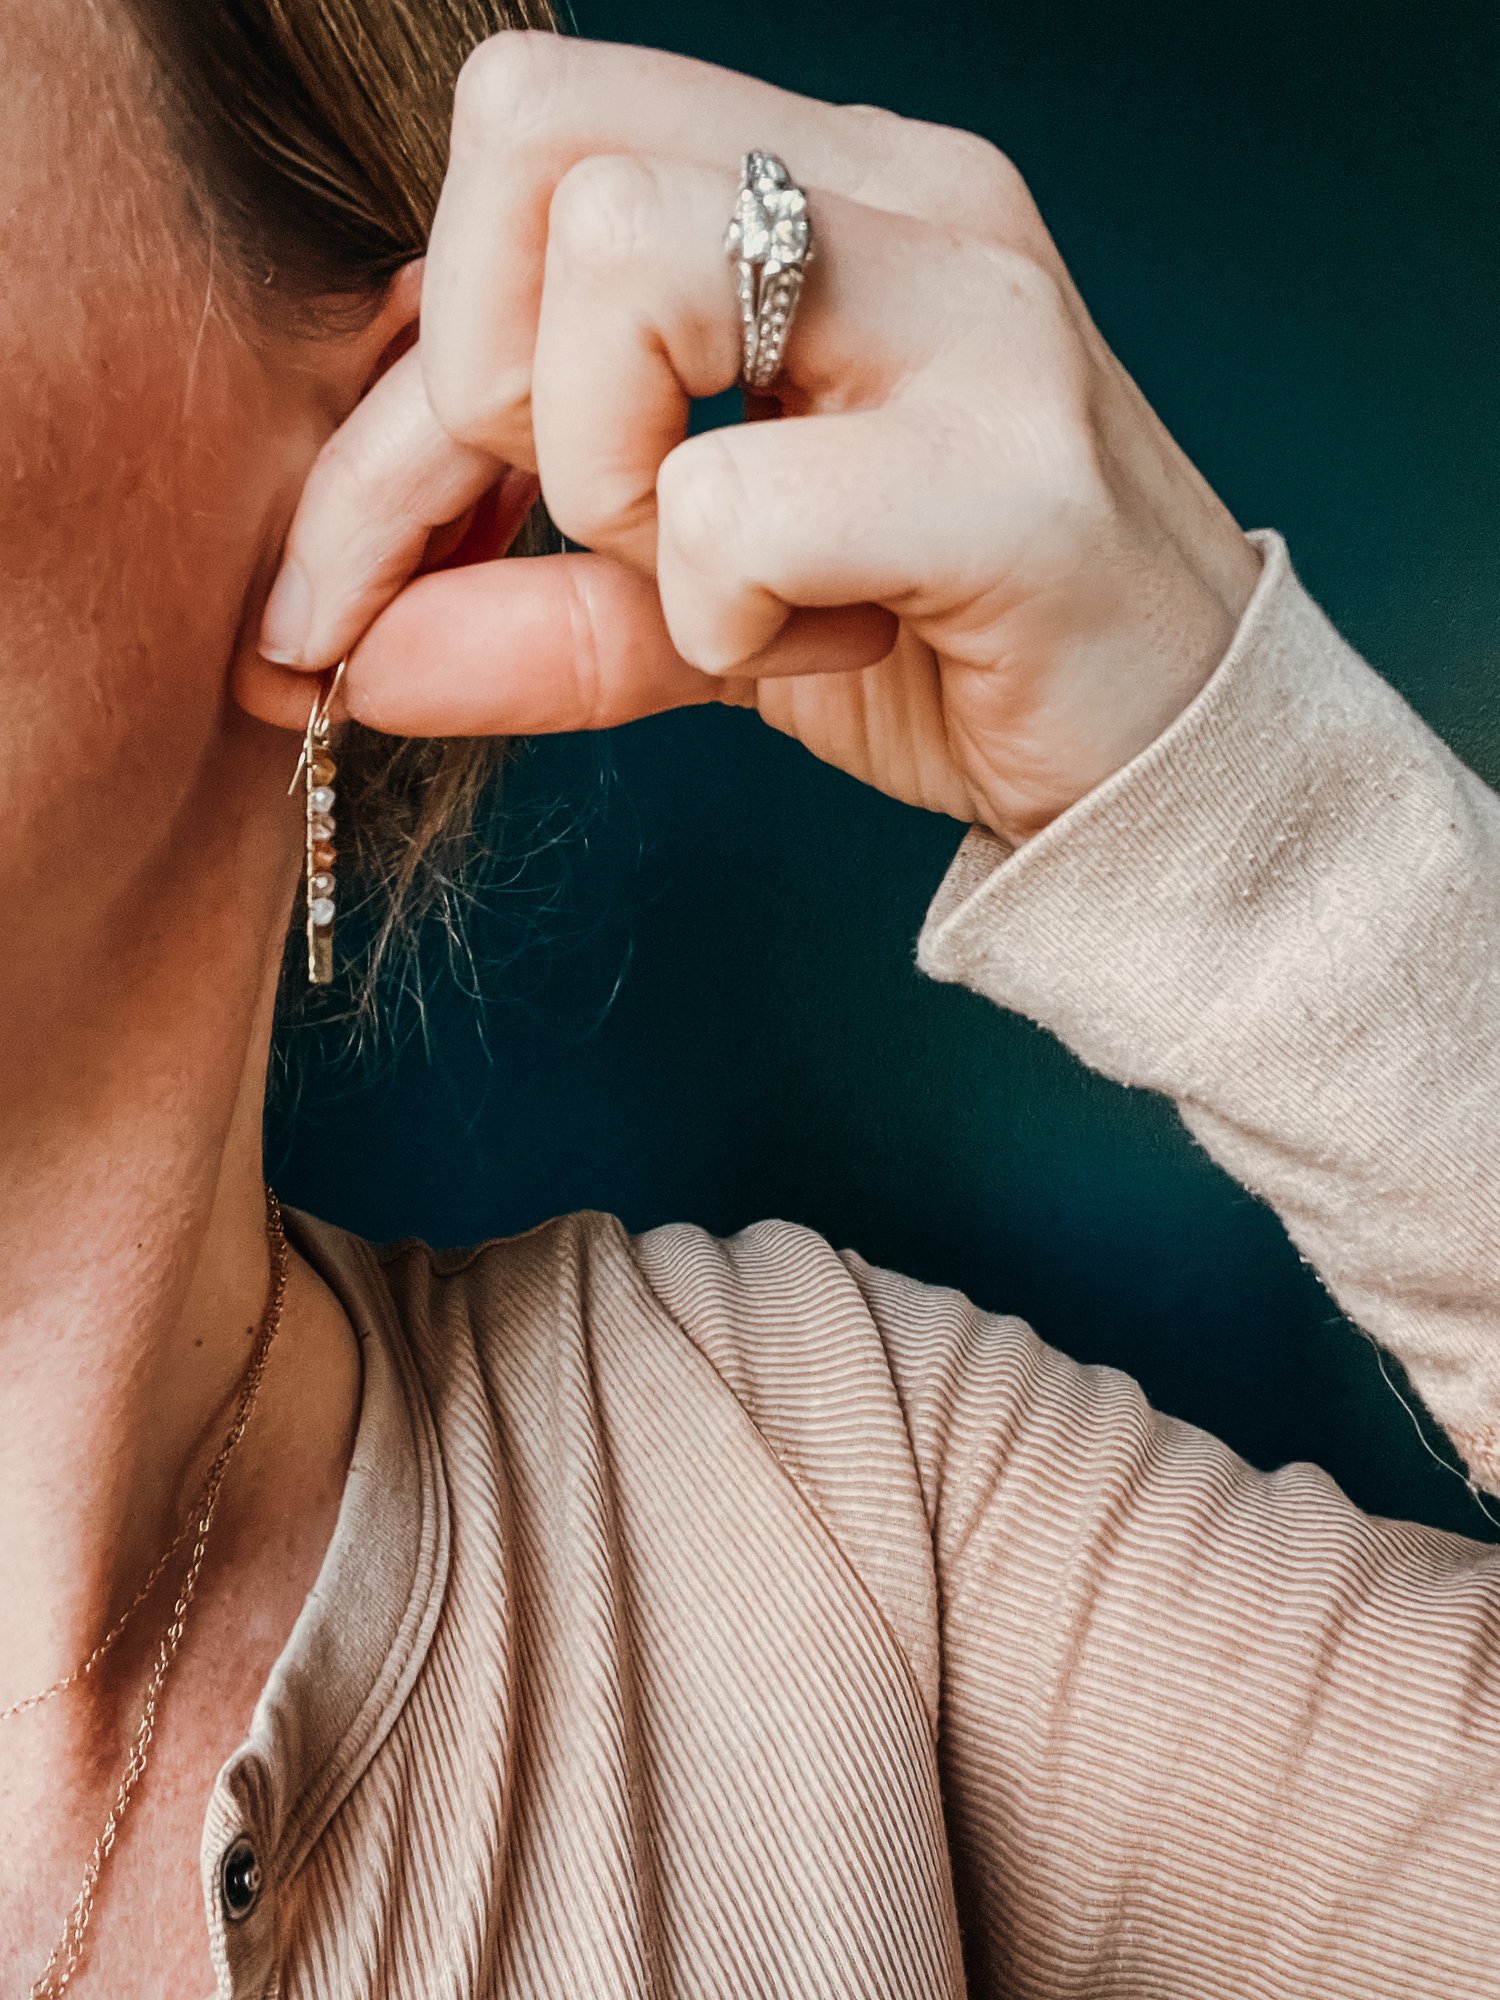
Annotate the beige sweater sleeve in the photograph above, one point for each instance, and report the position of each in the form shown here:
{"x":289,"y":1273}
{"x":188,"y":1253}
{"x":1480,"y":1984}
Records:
{"x":1207,"y":1731}
{"x":1285,"y":914}
{"x":1203,"y":1732}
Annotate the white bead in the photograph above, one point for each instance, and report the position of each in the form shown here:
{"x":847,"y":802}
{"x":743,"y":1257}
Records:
{"x":322,"y":827}
{"x":320,"y":909}
{"x":321,"y":799}
{"x":321,"y":885}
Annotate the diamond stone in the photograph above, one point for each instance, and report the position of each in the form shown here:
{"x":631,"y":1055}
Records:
{"x":769,"y":224}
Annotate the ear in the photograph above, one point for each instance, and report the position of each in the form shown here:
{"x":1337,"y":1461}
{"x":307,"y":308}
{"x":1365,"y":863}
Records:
{"x":362,"y":357}
{"x":334,"y":372}
{"x":395,"y":327}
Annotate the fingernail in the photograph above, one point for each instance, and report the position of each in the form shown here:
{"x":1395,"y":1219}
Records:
{"x":287,"y":619}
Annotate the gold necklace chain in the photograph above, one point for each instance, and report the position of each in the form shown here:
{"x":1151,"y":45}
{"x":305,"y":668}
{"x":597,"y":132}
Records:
{"x":57,"y":1974}
{"x":107,"y":1643}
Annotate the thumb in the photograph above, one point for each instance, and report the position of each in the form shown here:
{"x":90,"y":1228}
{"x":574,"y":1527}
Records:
{"x":517,"y":648}
{"x":552,"y":643}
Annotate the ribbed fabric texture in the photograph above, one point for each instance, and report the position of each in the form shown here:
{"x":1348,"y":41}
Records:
{"x":1285,"y":914}
{"x":730,"y":1617}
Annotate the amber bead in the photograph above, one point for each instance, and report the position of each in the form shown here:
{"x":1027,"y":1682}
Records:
{"x":324,"y":854}
{"x":324,"y":771}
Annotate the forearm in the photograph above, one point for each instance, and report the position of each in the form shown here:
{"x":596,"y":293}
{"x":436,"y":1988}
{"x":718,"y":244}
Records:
{"x":1285,"y":913}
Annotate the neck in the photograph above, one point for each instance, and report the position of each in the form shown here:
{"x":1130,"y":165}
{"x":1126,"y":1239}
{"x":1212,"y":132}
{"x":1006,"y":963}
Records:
{"x":132,"y":1233}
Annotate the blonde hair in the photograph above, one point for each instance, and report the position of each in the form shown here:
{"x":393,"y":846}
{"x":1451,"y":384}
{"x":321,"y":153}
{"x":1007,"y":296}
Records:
{"x":315,"y":137}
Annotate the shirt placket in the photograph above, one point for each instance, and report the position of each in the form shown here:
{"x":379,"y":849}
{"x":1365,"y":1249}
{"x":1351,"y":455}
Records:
{"x":241,"y":1885}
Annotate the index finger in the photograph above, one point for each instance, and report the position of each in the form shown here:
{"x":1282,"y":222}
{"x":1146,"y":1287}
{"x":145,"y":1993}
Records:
{"x":385,"y":480}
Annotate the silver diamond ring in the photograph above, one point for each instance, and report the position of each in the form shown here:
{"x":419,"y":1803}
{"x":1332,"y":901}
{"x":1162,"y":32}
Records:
{"x":770,"y":239}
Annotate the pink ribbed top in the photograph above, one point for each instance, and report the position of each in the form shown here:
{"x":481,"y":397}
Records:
{"x":728,"y":1619}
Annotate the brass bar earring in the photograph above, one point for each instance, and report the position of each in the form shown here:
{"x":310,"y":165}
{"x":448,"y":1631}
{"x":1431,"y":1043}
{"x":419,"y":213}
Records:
{"x":317,"y":770}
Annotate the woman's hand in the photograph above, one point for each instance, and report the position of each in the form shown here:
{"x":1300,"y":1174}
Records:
{"x":967,"y":563}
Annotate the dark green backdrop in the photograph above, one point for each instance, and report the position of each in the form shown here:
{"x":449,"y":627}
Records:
{"x":698,"y":997}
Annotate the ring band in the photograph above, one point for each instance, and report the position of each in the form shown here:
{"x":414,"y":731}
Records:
{"x":770,"y":240}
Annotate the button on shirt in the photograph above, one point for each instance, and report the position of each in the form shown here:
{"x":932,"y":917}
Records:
{"x":354,"y":1651}
{"x":239,"y":1881}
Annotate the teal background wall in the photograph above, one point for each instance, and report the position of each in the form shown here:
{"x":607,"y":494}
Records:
{"x":695,"y":994}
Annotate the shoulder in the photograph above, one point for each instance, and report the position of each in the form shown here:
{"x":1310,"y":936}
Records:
{"x":846,"y":1368}
{"x":762,"y":1305}
{"x":764,"y":1295}
{"x":782,"y":1318}
{"x":770,"y":1305}
{"x":771,"y":1322}
{"x":820,"y":1347}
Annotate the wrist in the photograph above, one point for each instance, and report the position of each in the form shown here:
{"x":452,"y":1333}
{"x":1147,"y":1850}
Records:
{"x":1126,"y":686}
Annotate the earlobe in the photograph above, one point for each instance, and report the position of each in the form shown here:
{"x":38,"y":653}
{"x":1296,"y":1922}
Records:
{"x":282,"y":696}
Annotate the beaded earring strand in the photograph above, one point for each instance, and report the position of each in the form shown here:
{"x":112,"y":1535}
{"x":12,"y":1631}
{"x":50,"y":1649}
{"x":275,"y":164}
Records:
{"x":317,"y":769}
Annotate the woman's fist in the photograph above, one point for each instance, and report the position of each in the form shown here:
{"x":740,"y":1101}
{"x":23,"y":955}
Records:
{"x":965,"y":563}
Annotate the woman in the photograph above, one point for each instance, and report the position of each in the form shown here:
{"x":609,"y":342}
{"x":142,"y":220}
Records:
{"x":598,"y":1615}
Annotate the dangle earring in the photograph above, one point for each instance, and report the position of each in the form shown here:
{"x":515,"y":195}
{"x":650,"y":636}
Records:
{"x":317,"y":770}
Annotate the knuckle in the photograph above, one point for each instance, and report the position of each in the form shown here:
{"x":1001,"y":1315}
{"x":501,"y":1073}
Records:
{"x":591,"y":509}
{"x":873,"y":131}
{"x":1063,"y":445}
{"x":979,"y":164}
{"x":604,"y":209}
{"x":984,"y":184}
{"x":945,"y":174}
{"x":1035,"y":303}
{"x":505,"y":81}
{"x":1033,"y":288}
{"x":700,"y":497}
{"x":481,"y":403}
{"x":586,"y":649}
{"x":1049,"y":397}
{"x":971,"y":184}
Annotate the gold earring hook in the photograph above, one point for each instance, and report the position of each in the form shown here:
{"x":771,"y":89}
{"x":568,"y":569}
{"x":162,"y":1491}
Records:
{"x":317,"y":721}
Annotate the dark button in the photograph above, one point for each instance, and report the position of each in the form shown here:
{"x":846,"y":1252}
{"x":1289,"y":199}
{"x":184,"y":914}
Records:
{"x":239,"y":1881}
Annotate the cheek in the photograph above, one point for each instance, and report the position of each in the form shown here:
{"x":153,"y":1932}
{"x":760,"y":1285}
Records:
{"x":149,"y":459}
{"x":139,"y":500}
